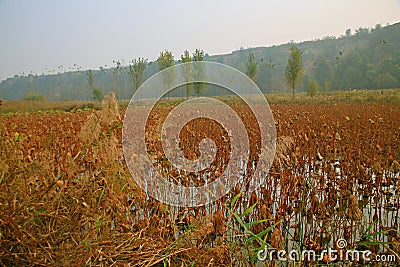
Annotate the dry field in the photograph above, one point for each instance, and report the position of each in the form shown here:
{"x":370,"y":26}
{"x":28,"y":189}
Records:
{"x":68,"y":199}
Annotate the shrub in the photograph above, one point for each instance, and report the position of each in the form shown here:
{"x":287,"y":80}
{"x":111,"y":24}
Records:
{"x":98,"y":94}
{"x":312,"y":88}
{"x":35,"y":97}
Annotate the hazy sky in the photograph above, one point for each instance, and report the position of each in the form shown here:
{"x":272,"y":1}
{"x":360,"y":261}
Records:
{"x":40,"y":34}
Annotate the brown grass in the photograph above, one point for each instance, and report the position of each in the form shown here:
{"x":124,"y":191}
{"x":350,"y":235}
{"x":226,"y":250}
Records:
{"x":67,"y":198}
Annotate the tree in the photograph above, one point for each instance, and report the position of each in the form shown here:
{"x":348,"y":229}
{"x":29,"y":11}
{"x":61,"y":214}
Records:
{"x":325,"y":86}
{"x":383,"y":44}
{"x":137,"y":72}
{"x":270,"y":75}
{"x":339,"y":71}
{"x":97,"y":94}
{"x":251,"y":67}
{"x":378,"y":27}
{"x":304,"y":83}
{"x":312,"y":87}
{"x":164,"y":61}
{"x":294,"y":68}
{"x":32,"y":82}
{"x":362,"y":31}
{"x":199,"y":71}
{"x":348,"y":32}
{"x":116,"y":79}
{"x":386,"y":80}
{"x":90,"y":78}
{"x":187,"y":71}
{"x":322,"y":70}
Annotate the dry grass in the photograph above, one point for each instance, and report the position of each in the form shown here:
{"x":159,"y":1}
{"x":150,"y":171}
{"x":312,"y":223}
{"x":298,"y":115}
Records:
{"x":24,"y":106}
{"x":67,"y":198}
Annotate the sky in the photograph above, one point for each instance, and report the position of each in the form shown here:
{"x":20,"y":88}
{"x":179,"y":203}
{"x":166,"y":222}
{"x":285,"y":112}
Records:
{"x":45,"y":35}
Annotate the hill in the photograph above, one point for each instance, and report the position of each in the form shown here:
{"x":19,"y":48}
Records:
{"x":369,"y":58}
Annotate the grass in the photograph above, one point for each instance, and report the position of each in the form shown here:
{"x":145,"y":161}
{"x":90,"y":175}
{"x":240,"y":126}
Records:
{"x":332,"y":97}
{"x":352,"y":96}
{"x":68,"y":199}
{"x":24,"y":106}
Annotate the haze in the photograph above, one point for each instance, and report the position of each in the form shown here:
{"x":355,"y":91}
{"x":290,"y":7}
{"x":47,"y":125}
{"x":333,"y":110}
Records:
{"x":41,"y":36}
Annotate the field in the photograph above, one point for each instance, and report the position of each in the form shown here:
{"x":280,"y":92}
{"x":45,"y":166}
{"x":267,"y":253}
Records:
{"x":68,"y":199}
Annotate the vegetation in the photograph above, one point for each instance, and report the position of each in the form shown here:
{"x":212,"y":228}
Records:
{"x":348,"y":62}
{"x":364,"y":59}
{"x":164,"y":61}
{"x":12,"y":108}
{"x":137,"y":72}
{"x":117,"y":71}
{"x":294,"y":68}
{"x":98,"y":94}
{"x":251,"y":67}
{"x":187,"y":71}
{"x":312,"y":88}
{"x":325,"y":86}
{"x":35,"y":97}
{"x":198,"y":71}
{"x":68,"y":199}
{"x":90,"y":79}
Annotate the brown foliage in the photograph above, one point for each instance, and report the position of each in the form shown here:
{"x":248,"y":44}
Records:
{"x":67,"y":198}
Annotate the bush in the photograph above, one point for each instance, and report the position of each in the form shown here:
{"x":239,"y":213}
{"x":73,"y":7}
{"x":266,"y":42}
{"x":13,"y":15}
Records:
{"x":98,"y":94}
{"x":35,"y":97}
{"x":312,"y":88}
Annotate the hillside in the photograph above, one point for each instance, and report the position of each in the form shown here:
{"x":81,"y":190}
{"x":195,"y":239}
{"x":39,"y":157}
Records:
{"x":369,"y":58}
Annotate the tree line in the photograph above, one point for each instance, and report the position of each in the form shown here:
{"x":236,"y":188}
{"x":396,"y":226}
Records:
{"x":367,"y":58}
